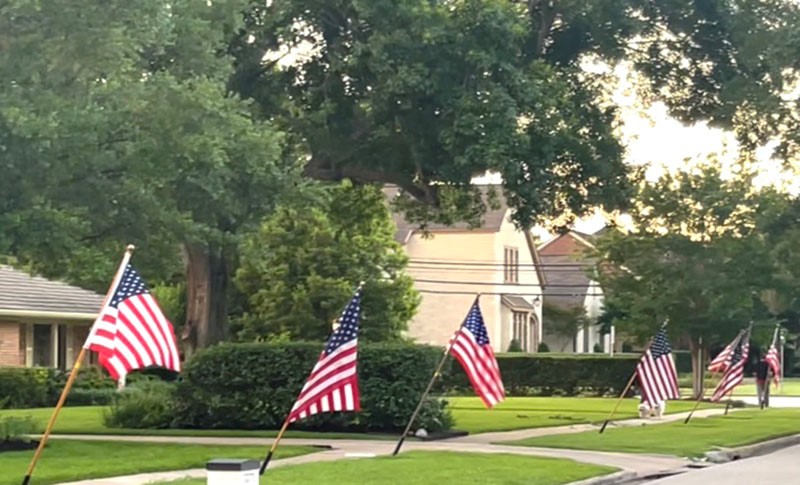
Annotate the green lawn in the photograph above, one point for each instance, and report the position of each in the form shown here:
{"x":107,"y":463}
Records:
{"x":469,"y":413}
{"x":434,"y":468}
{"x":693,"y":439}
{"x":537,"y":412}
{"x":74,"y":460}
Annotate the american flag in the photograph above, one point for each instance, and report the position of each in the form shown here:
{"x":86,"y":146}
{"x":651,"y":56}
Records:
{"x":470,"y":346}
{"x":723,"y":360}
{"x":773,"y":359}
{"x":131,"y":331}
{"x":658,"y":379}
{"x":333,"y":383}
{"x":735,"y":373}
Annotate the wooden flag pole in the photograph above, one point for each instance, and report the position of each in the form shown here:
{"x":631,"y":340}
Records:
{"x":619,"y":401}
{"x":436,"y":374}
{"x":265,"y":463}
{"x":625,"y":391}
{"x":273,"y":447}
{"x":74,"y":373}
{"x":699,"y":400}
{"x":703,"y":390}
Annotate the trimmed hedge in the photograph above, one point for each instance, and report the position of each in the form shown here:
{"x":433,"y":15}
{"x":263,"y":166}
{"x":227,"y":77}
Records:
{"x":37,"y":387}
{"x":253,"y":386}
{"x":553,"y":374}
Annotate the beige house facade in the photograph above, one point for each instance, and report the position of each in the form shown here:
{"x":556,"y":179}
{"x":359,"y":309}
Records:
{"x":43,"y":323}
{"x":452,"y":264}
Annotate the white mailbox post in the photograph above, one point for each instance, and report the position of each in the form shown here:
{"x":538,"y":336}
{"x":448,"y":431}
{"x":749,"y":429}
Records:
{"x":232,"y":472}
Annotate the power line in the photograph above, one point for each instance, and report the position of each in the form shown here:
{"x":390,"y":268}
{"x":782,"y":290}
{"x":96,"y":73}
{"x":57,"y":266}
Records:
{"x":491,"y":283}
{"x":556,"y":269}
{"x":498,"y":264}
{"x":499,"y":293}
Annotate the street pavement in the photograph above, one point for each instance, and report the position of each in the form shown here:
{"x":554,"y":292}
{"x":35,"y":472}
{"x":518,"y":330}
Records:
{"x":781,"y":467}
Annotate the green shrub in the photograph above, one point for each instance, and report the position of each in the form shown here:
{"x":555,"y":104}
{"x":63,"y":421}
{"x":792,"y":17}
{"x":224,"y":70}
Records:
{"x":252,"y":386}
{"x":16,"y":429}
{"x":683,"y":361}
{"x":543,"y":347}
{"x":514,"y":346}
{"x":90,"y":397}
{"x":147,"y":404}
{"x":553,"y":374}
{"x":23,"y":388}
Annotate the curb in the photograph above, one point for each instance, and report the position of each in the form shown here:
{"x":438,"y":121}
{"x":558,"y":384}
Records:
{"x":758,"y":449}
{"x":611,"y":479}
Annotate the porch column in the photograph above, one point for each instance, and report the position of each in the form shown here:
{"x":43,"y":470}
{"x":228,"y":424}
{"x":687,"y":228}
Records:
{"x":28,"y":344}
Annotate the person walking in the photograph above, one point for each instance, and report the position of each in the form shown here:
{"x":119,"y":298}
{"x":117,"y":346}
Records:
{"x":762,"y":382}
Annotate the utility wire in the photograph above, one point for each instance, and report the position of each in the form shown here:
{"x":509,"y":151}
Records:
{"x":492,"y":283}
{"x":456,"y":292}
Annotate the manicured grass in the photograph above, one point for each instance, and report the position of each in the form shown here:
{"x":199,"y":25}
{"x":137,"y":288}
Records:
{"x":89,"y":420}
{"x":537,"y":412}
{"x":434,"y":468}
{"x":64,"y":461}
{"x":469,"y":413}
{"x":700,"y":435}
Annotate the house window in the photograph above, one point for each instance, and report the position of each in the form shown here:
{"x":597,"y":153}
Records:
{"x":520,"y":331}
{"x":42,"y":345}
{"x":511,"y":265}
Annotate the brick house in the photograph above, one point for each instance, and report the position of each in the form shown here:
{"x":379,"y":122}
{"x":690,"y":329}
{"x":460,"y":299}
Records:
{"x":43,"y":323}
{"x":453,"y":263}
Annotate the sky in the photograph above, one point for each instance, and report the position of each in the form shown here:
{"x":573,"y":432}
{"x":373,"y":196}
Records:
{"x":653,"y":138}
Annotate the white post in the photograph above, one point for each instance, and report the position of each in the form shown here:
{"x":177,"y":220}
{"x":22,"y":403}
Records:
{"x":611,"y":338}
{"x":783,"y":351}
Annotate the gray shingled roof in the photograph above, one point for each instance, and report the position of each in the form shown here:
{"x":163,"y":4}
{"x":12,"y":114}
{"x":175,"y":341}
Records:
{"x":492,"y":220}
{"x":567,"y":281}
{"x":24,"y":293}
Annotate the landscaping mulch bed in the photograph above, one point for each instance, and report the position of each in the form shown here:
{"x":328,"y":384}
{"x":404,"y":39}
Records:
{"x":18,"y":445}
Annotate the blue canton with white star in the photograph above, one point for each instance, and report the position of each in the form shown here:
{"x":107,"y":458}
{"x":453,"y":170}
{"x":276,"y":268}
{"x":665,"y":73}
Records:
{"x":738,"y":353}
{"x":474,"y":323}
{"x":348,"y":325}
{"x":660,"y":344}
{"x":130,"y":285}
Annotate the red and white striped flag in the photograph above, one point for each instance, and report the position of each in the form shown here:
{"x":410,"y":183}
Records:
{"x":658,"y":379}
{"x":723,"y":360}
{"x":470,"y":346}
{"x":735,"y":373}
{"x":131,"y":331}
{"x":773,"y":358}
{"x":333,"y":383}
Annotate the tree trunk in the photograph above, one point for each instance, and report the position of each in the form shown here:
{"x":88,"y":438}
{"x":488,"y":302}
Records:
{"x":206,"y":286}
{"x":698,"y":366}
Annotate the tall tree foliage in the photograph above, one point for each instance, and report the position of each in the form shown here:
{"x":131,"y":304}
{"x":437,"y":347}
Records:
{"x":116,"y":127}
{"x":696,"y":258}
{"x":427,"y":94}
{"x":303,"y":265}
